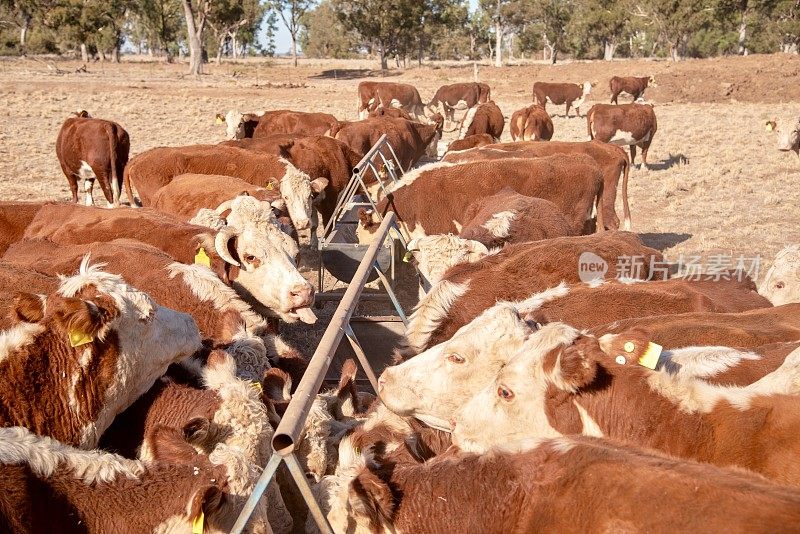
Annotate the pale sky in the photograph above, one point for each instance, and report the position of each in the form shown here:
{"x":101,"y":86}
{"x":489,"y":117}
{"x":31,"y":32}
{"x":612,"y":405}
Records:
{"x":283,"y":42}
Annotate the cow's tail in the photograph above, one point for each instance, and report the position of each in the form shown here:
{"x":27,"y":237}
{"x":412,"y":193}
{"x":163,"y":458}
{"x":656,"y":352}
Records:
{"x":112,"y":149}
{"x":589,"y":120}
{"x":128,"y":189}
{"x":626,"y":210}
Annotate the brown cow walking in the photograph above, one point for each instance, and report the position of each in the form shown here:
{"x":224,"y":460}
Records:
{"x":627,"y":124}
{"x":92,"y":149}
{"x":630,"y":84}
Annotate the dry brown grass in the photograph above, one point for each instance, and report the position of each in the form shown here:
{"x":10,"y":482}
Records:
{"x":718,"y":185}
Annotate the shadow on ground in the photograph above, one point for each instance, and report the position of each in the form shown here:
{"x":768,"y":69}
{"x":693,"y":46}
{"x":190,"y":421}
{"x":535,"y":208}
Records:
{"x":352,"y":74}
{"x":663,"y":241}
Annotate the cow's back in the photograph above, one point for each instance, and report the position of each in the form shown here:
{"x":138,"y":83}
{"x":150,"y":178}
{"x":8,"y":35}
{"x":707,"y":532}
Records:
{"x":14,"y":220}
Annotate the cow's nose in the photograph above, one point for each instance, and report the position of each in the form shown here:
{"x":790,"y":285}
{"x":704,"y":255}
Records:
{"x":301,"y":295}
{"x":302,"y":224}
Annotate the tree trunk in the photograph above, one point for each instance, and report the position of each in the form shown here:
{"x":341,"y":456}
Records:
{"x":743,"y":35}
{"x":609,"y":50}
{"x":673,"y":52}
{"x":498,"y":44}
{"x":220,"y":47}
{"x":115,"y":54}
{"x":554,"y":55}
{"x":382,"y":52}
{"x":294,"y":49}
{"x":195,"y":40}
{"x":234,"y":47}
{"x":23,"y":33}
{"x":84,"y":53}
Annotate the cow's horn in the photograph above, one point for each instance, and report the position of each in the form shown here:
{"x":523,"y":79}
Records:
{"x":221,"y":244}
{"x":223,"y":207}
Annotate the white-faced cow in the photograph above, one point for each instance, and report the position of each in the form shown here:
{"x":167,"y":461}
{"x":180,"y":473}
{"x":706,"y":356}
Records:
{"x":627,"y":124}
{"x":789,"y":137}
{"x":632,"y":85}
{"x":93,"y":149}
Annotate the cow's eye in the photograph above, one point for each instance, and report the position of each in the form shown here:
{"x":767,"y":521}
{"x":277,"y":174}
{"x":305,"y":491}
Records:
{"x":780,"y":285}
{"x":249,"y":258}
{"x":455,"y":358}
{"x":505,"y":393}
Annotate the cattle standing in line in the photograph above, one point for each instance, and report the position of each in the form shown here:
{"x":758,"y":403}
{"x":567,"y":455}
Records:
{"x":97,"y":345}
{"x":630,"y":84}
{"x":92,"y":149}
{"x":571,"y":94}
{"x":389,"y":95}
{"x":483,"y":119}
{"x":532,"y":123}
{"x":626,"y":124}
{"x":612,"y":159}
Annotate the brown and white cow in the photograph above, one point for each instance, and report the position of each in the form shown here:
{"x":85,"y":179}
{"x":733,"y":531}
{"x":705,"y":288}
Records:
{"x":15,"y":216}
{"x":294,"y":122}
{"x":563,"y":484}
{"x":457,"y":97}
{"x":483,"y":119}
{"x":434,"y":254}
{"x":155,"y":168}
{"x":249,"y":253}
{"x":632,"y":85}
{"x":93,"y":149}
{"x":612,"y":159}
{"x":392,"y":113}
{"x":239,"y":125}
{"x":471,"y":141}
{"x":320,"y":157}
{"x":97,"y":346}
{"x":571,"y":94}
{"x":531,"y":123}
{"x":410,"y":140}
{"x":517,"y":272}
{"x":789,"y":137}
{"x":626,"y":124}
{"x":508,"y":217}
{"x":389,"y":95}
{"x":564,"y":382}
{"x":573,"y":183}
{"x":48,"y":486}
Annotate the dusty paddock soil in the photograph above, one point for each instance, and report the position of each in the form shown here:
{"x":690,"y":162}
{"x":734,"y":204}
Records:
{"x":718,"y":185}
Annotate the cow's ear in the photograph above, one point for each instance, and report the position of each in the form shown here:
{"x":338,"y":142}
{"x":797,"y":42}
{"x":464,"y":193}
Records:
{"x":205,"y":500}
{"x":27,"y":308}
{"x":574,"y":366}
{"x":627,"y":347}
{"x":319,"y":184}
{"x":196,"y":430}
{"x":83,"y":319}
{"x":169,"y":445}
{"x":365,"y":217}
{"x":370,"y":498}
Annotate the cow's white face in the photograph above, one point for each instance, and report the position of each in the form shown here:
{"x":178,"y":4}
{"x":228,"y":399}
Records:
{"x":651,"y":81}
{"x":782,"y":282}
{"x":436,"y":253}
{"x":297,"y":191}
{"x":234,"y":125}
{"x":436,"y":383}
{"x":150,"y":338}
{"x":789,"y":138}
{"x":511,"y":406}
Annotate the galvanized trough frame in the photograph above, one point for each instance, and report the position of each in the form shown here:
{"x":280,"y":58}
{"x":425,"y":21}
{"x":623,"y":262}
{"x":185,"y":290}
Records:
{"x":287,"y":434}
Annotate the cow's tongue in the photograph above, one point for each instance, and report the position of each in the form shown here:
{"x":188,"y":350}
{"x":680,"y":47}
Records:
{"x":306,"y":315}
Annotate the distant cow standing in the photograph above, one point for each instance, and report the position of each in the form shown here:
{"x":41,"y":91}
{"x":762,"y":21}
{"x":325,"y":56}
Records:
{"x":627,"y":124}
{"x":571,"y":94}
{"x":483,"y":119}
{"x":293,"y":122}
{"x":629,"y":84}
{"x":372,"y":95}
{"x":458,"y":96}
{"x":532,"y":123}
{"x":92,"y":149}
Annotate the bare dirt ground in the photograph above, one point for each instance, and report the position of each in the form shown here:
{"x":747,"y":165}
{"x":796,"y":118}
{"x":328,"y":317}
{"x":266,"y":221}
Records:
{"x":717,"y":186}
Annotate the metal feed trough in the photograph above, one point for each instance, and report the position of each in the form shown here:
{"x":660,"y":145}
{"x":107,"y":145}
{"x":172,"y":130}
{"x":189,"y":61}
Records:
{"x":291,"y":425}
{"x":339,"y":250}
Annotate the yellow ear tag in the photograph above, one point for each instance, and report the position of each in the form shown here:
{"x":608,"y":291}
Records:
{"x":407,"y":256}
{"x":76,"y":338}
{"x":650,"y":357}
{"x":257,"y":386}
{"x":219,"y":121}
{"x":270,"y":186}
{"x":197,"y":524}
{"x":201,"y":258}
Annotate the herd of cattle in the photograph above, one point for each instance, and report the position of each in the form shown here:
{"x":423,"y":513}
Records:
{"x":143,"y":372}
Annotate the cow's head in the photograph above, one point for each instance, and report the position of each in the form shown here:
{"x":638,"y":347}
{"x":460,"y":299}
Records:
{"x":368,"y":223}
{"x":782,"y":283}
{"x":436,"y":253}
{"x":261,"y":261}
{"x":297,"y":191}
{"x":81,"y":114}
{"x":118,"y":341}
{"x":789,"y":137}
{"x":587,"y":87}
{"x":436,"y":383}
{"x":234,"y":124}
{"x":555,"y":362}
{"x":651,"y":81}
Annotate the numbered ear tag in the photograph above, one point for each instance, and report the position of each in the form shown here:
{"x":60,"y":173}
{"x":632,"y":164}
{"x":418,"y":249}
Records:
{"x":197,"y":524}
{"x":201,"y":258}
{"x":270,"y":186}
{"x":650,"y":357}
{"x":76,"y":338}
{"x":407,"y":256}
